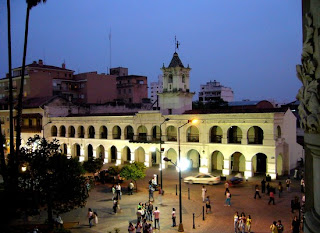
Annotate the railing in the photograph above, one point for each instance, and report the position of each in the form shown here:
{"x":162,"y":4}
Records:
{"x":193,"y":138}
{"x":235,"y":140}
{"x":103,"y":135}
{"x":129,"y":136}
{"x":171,"y":138}
{"x":91,"y":136}
{"x":71,"y":135}
{"x":116,"y":136}
{"x":255,"y":140}
{"x":145,"y":138}
{"x":216,"y":139}
{"x":31,"y":129}
{"x":81,"y":135}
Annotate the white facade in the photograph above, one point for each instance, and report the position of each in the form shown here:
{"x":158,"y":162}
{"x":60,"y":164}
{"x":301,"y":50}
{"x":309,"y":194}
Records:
{"x":213,"y":90}
{"x":226,"y":142}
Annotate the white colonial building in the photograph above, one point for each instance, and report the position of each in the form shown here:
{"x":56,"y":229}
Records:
{"x":212,"y":91}
{"x":229,"y":140}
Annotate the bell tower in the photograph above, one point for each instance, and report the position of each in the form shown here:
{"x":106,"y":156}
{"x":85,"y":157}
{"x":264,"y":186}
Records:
{"x":176,"y":97}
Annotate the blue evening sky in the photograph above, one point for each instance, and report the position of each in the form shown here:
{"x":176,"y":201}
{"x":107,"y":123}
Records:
{"x":251,"y":46}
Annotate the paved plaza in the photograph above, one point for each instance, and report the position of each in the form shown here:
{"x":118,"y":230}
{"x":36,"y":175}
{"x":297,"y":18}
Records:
{"x":220,"y":220}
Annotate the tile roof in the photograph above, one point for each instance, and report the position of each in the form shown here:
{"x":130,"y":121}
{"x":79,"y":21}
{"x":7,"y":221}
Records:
{"x":175,"y":61}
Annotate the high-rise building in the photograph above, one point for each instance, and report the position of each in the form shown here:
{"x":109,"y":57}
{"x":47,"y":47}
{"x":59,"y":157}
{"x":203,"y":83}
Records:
{"x":155,"y":88}
{"x":213,"y":91}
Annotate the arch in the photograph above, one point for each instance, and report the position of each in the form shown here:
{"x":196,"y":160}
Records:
{"x":192,"y":134}
{"x":62,"y":131}
{"x":103,"y":132}
{"x":278,"y":131}
{"x":89,"y":152}
{"x":139,"y":155}
{"x":171,"y":133}
{"x":71,"y":132}
{"x":279,"y":165}
{"x":217,"y":160}
{"x":194,"y":157}
{"x":54,"y":131}
{"x":172,"y":154}
{"x":234,"y":135}
{"x":259,"y":163}
{"x":255,"y":135}
{"x":128,"y":132}
{"x":113,"y":154}
{"x":142,"y":133}
{"x":91,"y":132}
{"x":126,"y":155}
{"x":64,"y":148}
{"x":116,"y":132}
{"x":216,"y":134}
{"x":80,"y":131}
{"x":238,"y":162}
{"x":155,"y":133}
{"x":76,"y":150}
{"x":100,"y":152}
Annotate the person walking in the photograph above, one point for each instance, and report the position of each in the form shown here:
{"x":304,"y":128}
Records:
{"x":130,"y":187}
{"x":139,"y":227}
{"x":58,"y":222}
{"x":268,"y":188}
{"x":208,"y":205}
{"x":150,"y":210}
{"x":228,"y":199}
{"x":173,"y":215}
{"x":271,"y":197}
{"x":113,"y":189}
{"x":131,"y":228}
{"x":156,"y":214}
{"x":151,"y":190}
{"x":242,"y":223}
{"x":302,"y":185}
{"x":280,"y":189}
{"x":226,"y":186}
{"x":95,"y":217}
{"x":115,"y":205}
{"x":280,"y":227}
{"x":249,"y":222}
{"x":273,"y":227}
{"x":295,"y":225}
{"x":144,"y":226}
{"x":236,"y":221}
{"x":118,"y":191}
{"x":203,"y":193}
{"x":288,"y":182}
{"x":90,"y":217}
{"x":263,"y":186}
{"x":139,"y":214}
{"x":257,"y":192}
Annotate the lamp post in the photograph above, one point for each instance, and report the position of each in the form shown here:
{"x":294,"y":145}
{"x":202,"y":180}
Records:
{"x":180,"y":229}
{"x":43,"y":128}
{"x":166,"y":119}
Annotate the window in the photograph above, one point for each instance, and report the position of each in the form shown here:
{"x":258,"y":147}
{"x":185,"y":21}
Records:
{"x":170,"y":111}
{"x":30,"y":122}
{"x":170,"y":80}
{"x":183,"y":79}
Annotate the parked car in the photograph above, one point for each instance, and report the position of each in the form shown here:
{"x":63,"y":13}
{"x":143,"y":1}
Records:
{"x":202,"y":178}
{"x":237,"y":179}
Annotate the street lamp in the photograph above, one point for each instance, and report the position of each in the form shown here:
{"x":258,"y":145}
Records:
{"x":43,"y":128}
{"x":194,"y":121}
{"x":166,"y":119}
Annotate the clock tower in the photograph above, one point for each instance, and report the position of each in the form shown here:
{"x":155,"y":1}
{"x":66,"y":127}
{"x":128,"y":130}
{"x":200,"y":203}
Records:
{"x":176,"y":97}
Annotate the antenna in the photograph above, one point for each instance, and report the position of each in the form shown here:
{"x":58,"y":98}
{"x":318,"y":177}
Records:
{"x":110,"y":47}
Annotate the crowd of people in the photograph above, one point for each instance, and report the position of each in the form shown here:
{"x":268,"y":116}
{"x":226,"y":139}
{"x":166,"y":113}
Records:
{"x":241,"y":222}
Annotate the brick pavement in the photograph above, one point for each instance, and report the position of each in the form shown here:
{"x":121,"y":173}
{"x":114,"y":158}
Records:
{"x":220,"y":220}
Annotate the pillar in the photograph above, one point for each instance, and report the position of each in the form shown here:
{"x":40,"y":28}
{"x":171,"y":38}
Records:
{"x":248,"y":171}
{"x":147,"y":160}
{"x":132,"y":157}
{"x":204,"y":165}
{"x":118,"y":161}
{"x":69,"y":151}
{"x":94,"y":153}
{"x":272,"y":167}
{"x":81,"y":158}
{"x":226,"y":167}
{"x":106,"y":157}
{"x":224,"y":139}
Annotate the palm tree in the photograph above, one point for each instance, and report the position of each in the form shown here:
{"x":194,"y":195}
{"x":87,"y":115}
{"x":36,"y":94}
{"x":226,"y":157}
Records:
{"x":30,"y":4}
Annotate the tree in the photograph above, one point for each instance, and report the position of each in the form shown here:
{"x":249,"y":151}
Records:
{"x":134,"y":171}
{"x":55,"y":180}
{"x":30,"y":4}
{"x":93,"y":165}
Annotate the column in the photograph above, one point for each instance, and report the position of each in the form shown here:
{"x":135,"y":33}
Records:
{"x":106,"y":157}
{"x":94,"y":153}
{"x":226,"y":167}
{"x":118,"y":162}
{"x":272,"y":167}
{"x":248,"y":171}
{"x":69,"y":151}
{"x":132,"y":157}
{"x":147,"y":160}
{"x":204,"y":165}
{"x":81,"y":158}
{"x":244,"y":139}
{"x":224,"y":139}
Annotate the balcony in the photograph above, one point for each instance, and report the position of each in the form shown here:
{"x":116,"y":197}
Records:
{"x":234,"y":140}
{"x":216,"y":139}
{"x":193,"y":138}
{"x":255,"y":140}
{"x":145,"y":138}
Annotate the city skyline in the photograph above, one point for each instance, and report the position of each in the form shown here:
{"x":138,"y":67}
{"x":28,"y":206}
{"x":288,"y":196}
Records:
{"x":251,"y":47}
